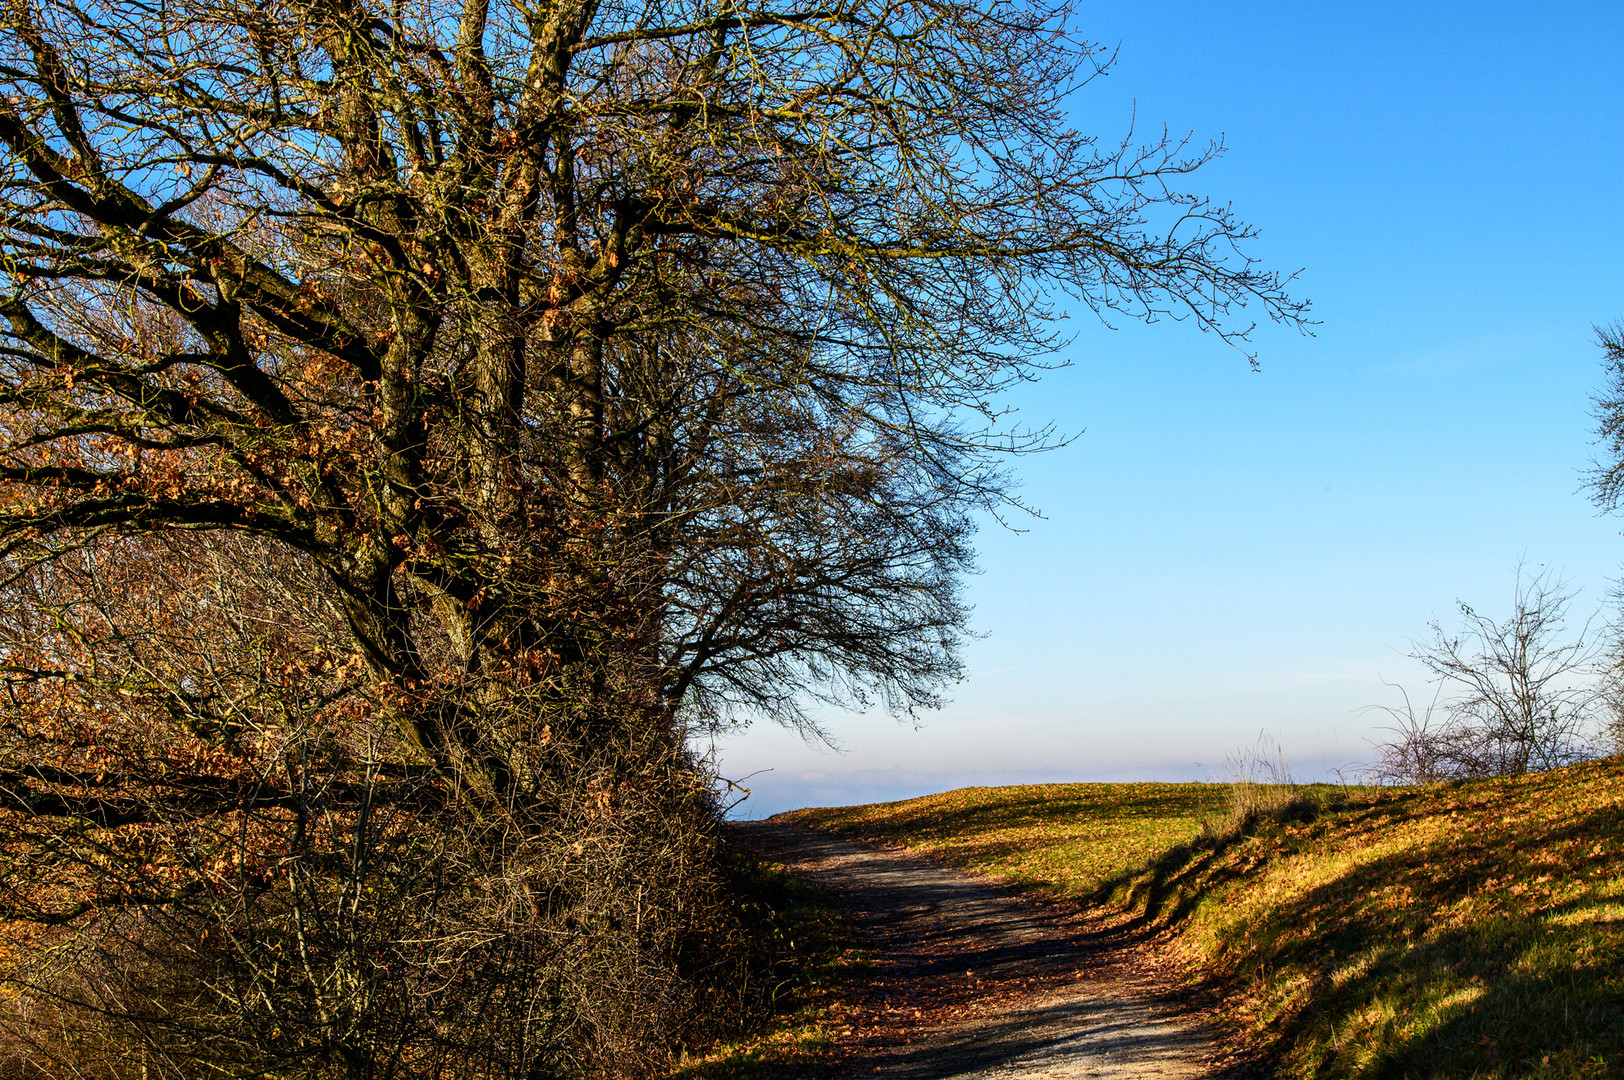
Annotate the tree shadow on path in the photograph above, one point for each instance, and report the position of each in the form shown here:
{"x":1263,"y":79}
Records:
{"x":969,"y":978}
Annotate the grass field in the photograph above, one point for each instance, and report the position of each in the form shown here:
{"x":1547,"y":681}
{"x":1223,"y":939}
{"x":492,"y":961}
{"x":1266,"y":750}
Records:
{"x":1066,"y":839}
{"x":1472,"y":930}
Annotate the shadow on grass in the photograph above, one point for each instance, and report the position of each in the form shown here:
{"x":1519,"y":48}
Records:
{"x":1455,"y":955}
{"x":1186,"y":873}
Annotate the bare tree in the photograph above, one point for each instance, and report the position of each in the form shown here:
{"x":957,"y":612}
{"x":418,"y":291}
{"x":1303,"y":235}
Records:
{"x":604,"y":371}
{"x":1606,"y":477}
{"x":1606,"y":482}
{"x":1515,"y":696}
{"x":574,"y":326}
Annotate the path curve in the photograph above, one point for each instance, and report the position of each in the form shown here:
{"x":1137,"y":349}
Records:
{"x":970,"y":980}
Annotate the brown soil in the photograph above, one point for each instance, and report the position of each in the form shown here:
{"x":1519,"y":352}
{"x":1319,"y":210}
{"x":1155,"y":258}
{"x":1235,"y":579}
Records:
{"x":971,"y":979}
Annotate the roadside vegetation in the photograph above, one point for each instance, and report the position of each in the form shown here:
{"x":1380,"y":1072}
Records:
{"x":1471,"y":929}
{"x":798,"y":957}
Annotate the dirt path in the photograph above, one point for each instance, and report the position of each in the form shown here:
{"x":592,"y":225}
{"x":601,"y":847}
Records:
{"x":970,"y":980}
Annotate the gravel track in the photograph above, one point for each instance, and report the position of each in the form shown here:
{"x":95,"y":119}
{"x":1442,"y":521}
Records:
{"x":970,"y":979}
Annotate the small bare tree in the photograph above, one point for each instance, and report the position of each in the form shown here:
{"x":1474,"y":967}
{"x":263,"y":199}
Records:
{"x":1514,"y":696}
{"x":1606,"y":482}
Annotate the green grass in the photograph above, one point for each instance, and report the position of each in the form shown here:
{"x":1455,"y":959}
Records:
{"x":1472,"y":930}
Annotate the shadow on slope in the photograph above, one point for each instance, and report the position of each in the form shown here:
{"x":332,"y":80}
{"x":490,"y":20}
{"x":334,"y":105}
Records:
{"x":1467,"y":931}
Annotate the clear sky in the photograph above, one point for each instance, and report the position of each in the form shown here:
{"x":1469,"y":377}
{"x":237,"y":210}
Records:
{"x":1227,"y":553}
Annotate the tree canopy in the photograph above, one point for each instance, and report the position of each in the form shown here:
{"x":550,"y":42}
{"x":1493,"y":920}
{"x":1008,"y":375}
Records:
{"x":715,"y":299}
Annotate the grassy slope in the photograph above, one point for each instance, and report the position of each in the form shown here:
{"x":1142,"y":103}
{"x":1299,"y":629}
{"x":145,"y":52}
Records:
{"x":1462,"y":931}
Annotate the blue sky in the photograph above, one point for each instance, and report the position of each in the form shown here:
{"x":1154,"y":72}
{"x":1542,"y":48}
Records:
{"x":1226,"y":553}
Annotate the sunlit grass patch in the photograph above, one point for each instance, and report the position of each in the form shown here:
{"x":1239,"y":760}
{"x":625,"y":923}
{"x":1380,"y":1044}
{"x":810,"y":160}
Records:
{"x":787,"y":1045}
{"x":1066,"y":838}
{"x":1450,"y":931}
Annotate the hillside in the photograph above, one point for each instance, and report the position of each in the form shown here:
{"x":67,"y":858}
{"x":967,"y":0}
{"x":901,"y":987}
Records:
{"x":1472,"y":930}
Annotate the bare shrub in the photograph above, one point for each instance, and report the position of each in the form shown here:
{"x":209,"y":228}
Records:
{"x":1422,"y":748}
{"x":1514,"y":696}
{"x":1611,"y":740}
{"x":216,"y":860}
